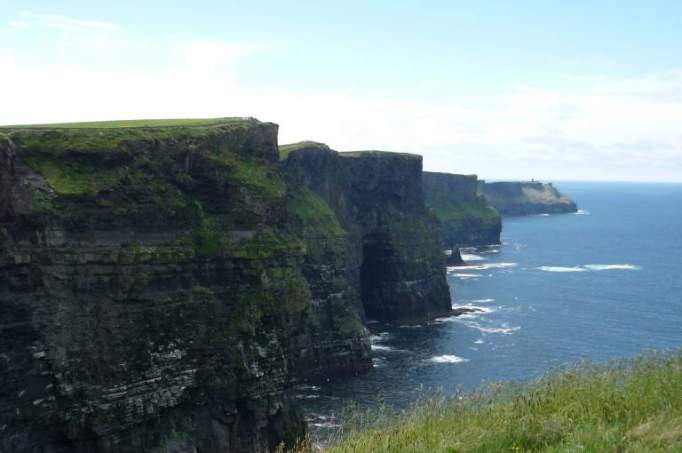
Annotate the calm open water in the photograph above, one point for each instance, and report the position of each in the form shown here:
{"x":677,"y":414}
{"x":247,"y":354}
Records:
{"x":602,"y":284}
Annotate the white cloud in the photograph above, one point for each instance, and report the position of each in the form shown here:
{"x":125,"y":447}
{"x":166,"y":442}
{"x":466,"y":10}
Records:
{"x":600,"y":128}
{"x":55,"y":21}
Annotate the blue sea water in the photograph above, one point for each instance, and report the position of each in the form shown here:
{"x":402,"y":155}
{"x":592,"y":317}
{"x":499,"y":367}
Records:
{"x":605,"y":283}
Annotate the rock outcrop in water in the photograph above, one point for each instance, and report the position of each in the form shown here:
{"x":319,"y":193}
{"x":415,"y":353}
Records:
{"x":465,"y":216}
{"x":375,"y":206}
{"x":161,"y":288}
{"x":526,"y":198}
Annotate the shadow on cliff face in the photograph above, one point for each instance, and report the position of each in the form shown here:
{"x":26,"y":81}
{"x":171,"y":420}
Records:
{"x":375,"y":269}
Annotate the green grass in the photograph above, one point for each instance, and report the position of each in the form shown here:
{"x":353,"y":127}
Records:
{"x":313,"y":213}
{"x":96,"y":137}
{"x":463,"y":211}
{"x":258,"y":175}
{"x":65,"y":177}
{"x":176,"y":122}
{"x":631,"y":406}
{"x":379,"y":154}
{"x":285,"y":150}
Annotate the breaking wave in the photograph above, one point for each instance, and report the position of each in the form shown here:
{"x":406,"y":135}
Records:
{"x":447,"y":358}
{"x":562,"y":269}
{"x":590,"y":267}
{"x":471,"y":257}
{"x":611,"y":267}
{"x":481,"y":267}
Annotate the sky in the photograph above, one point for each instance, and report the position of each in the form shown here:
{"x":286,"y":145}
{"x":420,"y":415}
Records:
{"x":551,"y":90}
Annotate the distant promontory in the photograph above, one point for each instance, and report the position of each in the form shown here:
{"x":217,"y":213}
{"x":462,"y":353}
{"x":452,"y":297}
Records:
{"x":526,"y":198}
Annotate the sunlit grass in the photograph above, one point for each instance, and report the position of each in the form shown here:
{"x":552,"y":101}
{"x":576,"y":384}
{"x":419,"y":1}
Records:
{"x":132,"y":123}
{"x":630,"y":406}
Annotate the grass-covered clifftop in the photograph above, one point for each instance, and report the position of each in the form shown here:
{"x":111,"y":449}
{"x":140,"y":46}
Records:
{"x":631,"y":406}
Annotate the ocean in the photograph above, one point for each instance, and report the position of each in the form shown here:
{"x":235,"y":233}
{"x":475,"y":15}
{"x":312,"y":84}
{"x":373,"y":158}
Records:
{"x":599,"y":285}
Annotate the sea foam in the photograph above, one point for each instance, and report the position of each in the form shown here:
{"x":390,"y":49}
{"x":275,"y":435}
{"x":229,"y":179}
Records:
{"x":447,"y":358}
{"x":562,"y":269}
{"x":481,"y":267}
{"x":464,"y":276}
{"x":612,"y":267}
{"x":591,"y":267}
{"x":471,"y":257}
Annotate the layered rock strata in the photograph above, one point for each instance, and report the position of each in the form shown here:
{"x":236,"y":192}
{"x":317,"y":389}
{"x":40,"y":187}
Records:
{"x":393,"y":260}
{"x":163,"y":284}
{"x":152,"y":294}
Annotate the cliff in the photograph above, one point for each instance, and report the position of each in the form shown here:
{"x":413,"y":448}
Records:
{"x":164,"y":283}
{"x":466,"y":218}
{"x":374,"y":200}
{"x":526,"y":198}
{"x":152,"y":295}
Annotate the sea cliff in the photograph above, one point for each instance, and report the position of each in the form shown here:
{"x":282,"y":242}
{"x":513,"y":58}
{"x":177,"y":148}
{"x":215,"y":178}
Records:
{"x":164,"y":283}
{"x":465,"y":216}
{"x":395,"y":261}
{"x":526,"y":198}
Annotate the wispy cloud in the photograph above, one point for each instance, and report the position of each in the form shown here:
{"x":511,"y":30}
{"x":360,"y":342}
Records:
{"x":600,"y":128}
{"x":59,"y":22}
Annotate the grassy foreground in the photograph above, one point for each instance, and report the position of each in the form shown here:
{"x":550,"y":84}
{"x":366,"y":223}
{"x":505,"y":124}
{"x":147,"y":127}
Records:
{"x":632,"y":406}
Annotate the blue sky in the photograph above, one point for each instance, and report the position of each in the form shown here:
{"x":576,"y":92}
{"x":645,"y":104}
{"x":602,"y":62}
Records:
{"x":506,"y":89}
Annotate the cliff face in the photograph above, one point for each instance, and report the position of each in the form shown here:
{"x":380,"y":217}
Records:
{"x":153,"y":295}
{"x":526,"y":198}
{"x":393,"y":259}
{"x":466,"y":218}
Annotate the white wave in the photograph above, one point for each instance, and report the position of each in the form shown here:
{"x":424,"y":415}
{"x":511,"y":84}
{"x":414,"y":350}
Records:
{"x":448,"y":319}
{"x":378,"y":362}
{"x":582,"y":212}
{"x":479,"y":312}
{"x":482,"y":301}
{"x":479,"y":341}
{"x":447,"y":358}
{"x":471,"y":257}
{"x":562,"y":269}
{"x":479,"y":309}
{"x":502,"y":330}
{"x":481,"y":267}
{"x":382,"y":336}
{"x":379,"y":347}
{"x":308,"y":396}
{"x":590,"y":267}
{"x":541,"y":215}
{"x":612,"y":267}
{"x":465,"y":276}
